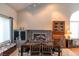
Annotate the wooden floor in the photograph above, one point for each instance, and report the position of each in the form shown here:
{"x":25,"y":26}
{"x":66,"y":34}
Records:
{"x":65,"y":52}
{"x":70,"y":52}
{"x":75,"y":50}
{"x":15,"y":53}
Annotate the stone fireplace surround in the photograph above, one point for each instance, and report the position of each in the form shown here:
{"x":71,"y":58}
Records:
{"x":39,"y":35}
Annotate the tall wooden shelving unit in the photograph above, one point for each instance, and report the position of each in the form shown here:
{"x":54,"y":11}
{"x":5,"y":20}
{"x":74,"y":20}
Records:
{"x":58,"y":33}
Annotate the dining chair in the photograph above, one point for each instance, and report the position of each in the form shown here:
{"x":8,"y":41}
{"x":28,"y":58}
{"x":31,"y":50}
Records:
{"x":35,"y":50}
{"x":46,"y":50}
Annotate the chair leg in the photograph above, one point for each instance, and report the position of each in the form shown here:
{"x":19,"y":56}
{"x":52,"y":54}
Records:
{"x":58,"y":53}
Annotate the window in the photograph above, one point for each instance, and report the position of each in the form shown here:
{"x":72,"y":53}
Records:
{"x":74,"y":29}
{"x":5,"y":29}
{"x":74,"y":26}
{"x":1,"y":30}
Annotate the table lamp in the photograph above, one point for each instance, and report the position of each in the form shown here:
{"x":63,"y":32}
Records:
{"x":67,"y":35}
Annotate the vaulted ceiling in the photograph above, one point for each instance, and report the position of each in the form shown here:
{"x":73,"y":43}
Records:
{"x":18,"y":6}
{"x":31,"y":6}
{"x":23,"y":6}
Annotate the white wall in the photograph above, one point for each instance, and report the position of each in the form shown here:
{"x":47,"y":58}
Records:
{"x":8,"y":11}
{"x":42,"y":17}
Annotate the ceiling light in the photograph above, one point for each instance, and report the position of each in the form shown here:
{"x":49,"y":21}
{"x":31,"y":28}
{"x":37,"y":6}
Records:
{"x":34,"y":5}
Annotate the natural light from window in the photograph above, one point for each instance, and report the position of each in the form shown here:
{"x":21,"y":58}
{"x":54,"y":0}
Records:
{"x":74,"y":25}
{"x":5,"y":29}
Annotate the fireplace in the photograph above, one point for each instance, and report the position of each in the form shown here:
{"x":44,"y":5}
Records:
{"x":45,"y":35}
{"x":39,"y":36}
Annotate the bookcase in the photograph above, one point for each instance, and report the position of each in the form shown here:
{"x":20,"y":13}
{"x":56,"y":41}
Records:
{"x":58,"y":33}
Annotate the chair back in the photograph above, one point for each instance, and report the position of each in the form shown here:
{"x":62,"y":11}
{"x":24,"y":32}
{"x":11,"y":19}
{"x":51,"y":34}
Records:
{"x":46,"y":50}
{"x":35,"y":49}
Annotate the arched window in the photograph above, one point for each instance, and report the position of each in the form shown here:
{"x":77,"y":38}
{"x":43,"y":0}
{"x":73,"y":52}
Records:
{"x":74,"y":25}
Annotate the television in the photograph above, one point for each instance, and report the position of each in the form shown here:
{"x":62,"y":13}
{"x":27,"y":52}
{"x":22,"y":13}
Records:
{"x":5,"y":29}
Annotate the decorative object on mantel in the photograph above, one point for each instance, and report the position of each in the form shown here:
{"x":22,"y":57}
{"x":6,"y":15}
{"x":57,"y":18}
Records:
{"x":21,"y":28}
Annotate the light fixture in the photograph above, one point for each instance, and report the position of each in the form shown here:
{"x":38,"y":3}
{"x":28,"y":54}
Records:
{"x":67,"y":34}
{"x":34,"y":5}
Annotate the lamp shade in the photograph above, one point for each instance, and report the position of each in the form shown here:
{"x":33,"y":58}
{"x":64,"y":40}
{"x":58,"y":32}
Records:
{"x":67,"y":34}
